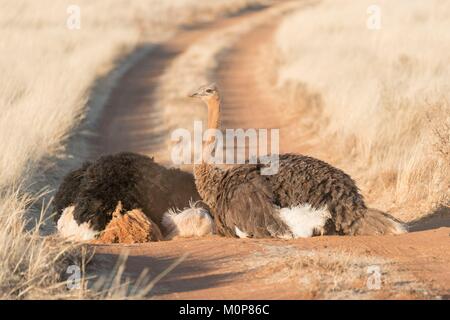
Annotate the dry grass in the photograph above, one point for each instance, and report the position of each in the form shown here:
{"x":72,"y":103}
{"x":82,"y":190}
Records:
{"x":46,"y":73}
{"x":31,"y":265}
{"x":379,"y":100}
{"x":36,"y":267}
{"x":331,"y":274}
{"x":46,"y":70}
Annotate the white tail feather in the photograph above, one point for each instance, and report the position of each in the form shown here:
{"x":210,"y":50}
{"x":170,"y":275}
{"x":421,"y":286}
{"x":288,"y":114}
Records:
{"x":305,"y":221}
{"x":190,"y":222}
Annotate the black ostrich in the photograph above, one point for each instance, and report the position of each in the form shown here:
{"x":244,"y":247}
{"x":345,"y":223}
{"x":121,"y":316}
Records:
{"x":88,"y":196}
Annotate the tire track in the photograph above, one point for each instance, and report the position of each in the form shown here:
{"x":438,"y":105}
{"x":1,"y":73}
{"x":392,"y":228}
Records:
{"x":129,"y":120}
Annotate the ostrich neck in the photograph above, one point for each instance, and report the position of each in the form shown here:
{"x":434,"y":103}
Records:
{"x":207,"y":176}
{"x":214,"y":113}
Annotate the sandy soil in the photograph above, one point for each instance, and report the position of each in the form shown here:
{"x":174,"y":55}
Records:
{"x":414,"y":265}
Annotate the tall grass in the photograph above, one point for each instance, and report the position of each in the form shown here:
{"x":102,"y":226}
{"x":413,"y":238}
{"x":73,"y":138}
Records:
{"x":30,"y":265}
{"x":46,"y":70}
{"x":46,"y":74}
{"x":382,"y":95}
{"x":37,"y":267}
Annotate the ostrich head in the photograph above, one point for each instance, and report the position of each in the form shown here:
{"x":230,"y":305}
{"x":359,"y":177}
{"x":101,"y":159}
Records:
{"x":206,"y":93}
{"x":209,"y":94}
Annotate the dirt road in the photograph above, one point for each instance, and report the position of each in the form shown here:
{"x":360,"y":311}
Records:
{"x":414,"y":265}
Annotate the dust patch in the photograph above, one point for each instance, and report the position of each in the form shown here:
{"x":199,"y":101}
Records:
{"x":131,"y":227}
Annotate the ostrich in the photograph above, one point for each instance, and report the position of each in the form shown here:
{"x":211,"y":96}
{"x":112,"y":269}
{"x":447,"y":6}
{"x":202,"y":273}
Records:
{"x":306,"y":197}
{"x":88,"y":197}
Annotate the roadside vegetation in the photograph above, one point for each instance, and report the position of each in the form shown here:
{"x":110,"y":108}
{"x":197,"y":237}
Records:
{"x":377,"y":100}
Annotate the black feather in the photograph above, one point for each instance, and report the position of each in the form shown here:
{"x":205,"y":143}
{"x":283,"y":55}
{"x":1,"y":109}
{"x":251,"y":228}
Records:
{"x":135,"y":180}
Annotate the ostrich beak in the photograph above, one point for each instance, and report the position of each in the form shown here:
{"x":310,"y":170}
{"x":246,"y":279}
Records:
{"x":193,"y":94}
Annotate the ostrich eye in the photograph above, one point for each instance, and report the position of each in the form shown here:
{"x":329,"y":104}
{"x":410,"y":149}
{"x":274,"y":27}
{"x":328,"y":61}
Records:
{"x":209,"y":91}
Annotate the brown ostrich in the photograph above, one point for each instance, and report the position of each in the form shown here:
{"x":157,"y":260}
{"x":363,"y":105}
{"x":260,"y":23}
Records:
{"x":306,"y":197}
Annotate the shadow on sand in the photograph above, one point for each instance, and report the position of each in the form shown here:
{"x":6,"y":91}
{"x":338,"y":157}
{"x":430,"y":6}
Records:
{"x":190,"y":274}
{"x":437,"y":219}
